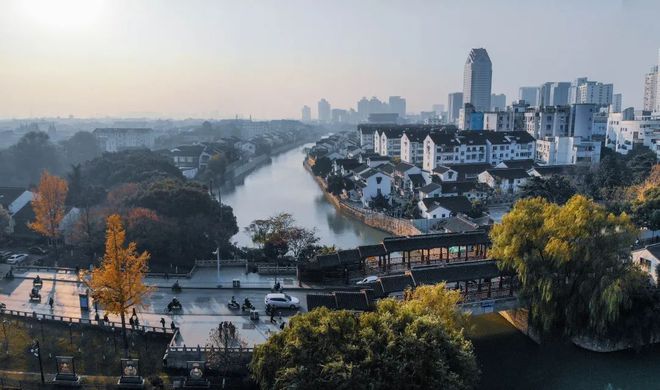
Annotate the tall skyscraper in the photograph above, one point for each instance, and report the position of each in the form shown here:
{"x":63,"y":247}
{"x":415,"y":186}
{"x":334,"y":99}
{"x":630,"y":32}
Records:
{"x":651,"y":89}
{"x":554,"y":93}
{"x":477,"y":79}
{"x":584,"y":91}
{"x":657,"y":86}
{"x":398,"y":105}
{"x":324,"y":111}
{"x":497,"y":102}
{"x":306,"y":114}
{"x":617,"y":102}
{"x":363,"y":109}
{"x":454,"y":105}
{"x":529,"y":94}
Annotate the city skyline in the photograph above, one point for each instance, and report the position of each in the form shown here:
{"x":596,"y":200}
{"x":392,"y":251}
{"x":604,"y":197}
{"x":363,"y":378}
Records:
{"x":99,"y":58}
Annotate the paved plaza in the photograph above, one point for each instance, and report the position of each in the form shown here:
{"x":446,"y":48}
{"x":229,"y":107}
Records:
{"x":204,"y":305}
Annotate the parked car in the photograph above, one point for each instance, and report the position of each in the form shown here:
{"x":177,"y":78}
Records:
{"x":368,"y":280}
{"x":17,"y":258}
{"x":282,"y":301}
{"x":37,"y":250}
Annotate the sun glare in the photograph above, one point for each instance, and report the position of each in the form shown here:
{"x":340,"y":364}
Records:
{"x":62,"y":14}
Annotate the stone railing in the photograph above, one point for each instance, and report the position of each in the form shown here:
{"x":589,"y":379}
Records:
{"x":223,"y":262}
{"x":83,"y":321}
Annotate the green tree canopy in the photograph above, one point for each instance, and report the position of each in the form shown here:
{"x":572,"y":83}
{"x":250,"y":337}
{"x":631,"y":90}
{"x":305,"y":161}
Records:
{"x":415,"y":344}
{"x":570,"y":263}
{"x":555,"y":189}
{"x":82,"y":146}
{"x":322,"y":167}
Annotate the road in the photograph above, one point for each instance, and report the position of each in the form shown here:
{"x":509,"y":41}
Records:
{"x":203,"y":308}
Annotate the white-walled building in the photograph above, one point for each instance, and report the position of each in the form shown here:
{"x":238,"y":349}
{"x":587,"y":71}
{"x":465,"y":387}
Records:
{"x":116,"y":139}
{"x":373,"y":183}
{"x":567,"y":151}
{"x":648,"y":259}
{"x":387,"y":142}
{"x":366,"y":136}
{"x":412,"y":147}
{"x":547,"y":121}
{"x":504,"y":180}
{"x":629,"y":129}
{"x":472,"y":147}
{"x":499,"y":120}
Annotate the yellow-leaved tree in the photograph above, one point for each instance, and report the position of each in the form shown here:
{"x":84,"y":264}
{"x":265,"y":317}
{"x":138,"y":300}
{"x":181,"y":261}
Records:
{"x":118,"y":283}
{"x":49,"y":207}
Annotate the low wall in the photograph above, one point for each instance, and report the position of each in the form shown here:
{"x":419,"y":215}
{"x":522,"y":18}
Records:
{"x":380,"y":221}
{"x":519,"y":318}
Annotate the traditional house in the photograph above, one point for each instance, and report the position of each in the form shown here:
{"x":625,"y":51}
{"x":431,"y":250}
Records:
{"x":648,"y":259}
{"x":504,"y":180}
{"x":17,"y":202}
{"x":373,"y":183}
{"x":444,"y":207}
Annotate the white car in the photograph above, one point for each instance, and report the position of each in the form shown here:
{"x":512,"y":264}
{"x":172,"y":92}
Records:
{"x":368,"y":280}
{"x":282,"y":301}
{"x":17,"y":258}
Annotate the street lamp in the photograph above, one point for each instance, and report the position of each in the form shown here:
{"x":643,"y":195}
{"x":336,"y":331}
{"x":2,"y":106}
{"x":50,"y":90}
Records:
{"x":36,"y":351}
{"x":217,"y":254}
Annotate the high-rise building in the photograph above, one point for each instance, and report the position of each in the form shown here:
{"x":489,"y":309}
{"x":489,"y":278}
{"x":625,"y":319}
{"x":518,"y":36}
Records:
{"x":617,"y":102}
{"x":477,"y":79}
{"x":363,"y":109}
{"x":397,"y":105}
{"x":306,"y":114}
{"x":657,"y":86}
{"x":324,"y":111}
{"x":497,"y":102}
{"x":584,"y":91}
{"x":554,"y":93}
{"x":651,"y":89}
{"x":529,"y":94}
{"x":454,"y":105}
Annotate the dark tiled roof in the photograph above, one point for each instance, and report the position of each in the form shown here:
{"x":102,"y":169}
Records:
{"x":458,"y":187}
{"x":524,"y":164}
{"x":9,"y":194}
{"x":444,"y":139}
{"x":654,"y":249}
{"x":508,"y":173}
{"x":347,"y":163}
{"x":430,"y":187}
{"x":455,"y":204}
{"x":402,"y":167}
{"x":372,"y":250}
{"x":321,"y":300}
{"x":417,"y":179}
{"x":360,"y":168}
{"x":521,"y":137}
{"x":472,"y":137}
{"x":469,"y":169}
{"x":386,"y":168}
{"x":416,"y":136}
{"x":455,"y":272}
{"x":395,"y":283}
{"x":352,"y":300}
{"x":431,"y":241}
{"x":549,"y":170}
{"x":328,"y":261}
{"x":349,"y":256}
{"x":458,"y":224}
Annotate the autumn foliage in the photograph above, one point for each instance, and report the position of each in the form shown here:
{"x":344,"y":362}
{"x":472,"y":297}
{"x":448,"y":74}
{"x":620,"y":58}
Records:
{"x":49,"y":205}
{"x":118,"y":283}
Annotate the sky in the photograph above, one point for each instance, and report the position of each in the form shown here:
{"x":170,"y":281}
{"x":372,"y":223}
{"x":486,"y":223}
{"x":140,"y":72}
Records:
{"x":266,"y":59}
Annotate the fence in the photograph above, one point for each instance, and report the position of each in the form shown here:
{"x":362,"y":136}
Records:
{"x":36,"y":268}
{"x":269,"y":269}
{"x":83,"y":321}
{"x":223,"y":262}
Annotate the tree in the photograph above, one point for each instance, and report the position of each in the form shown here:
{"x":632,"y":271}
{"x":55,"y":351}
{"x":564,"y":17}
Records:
{"x":33,"y":154}
{"x":5,"y":223}
{"x":335,"y":184}
{"x":49,"y":207}
{"x":373,"y":350}
{"x":570,"y":263}
{"x":278,"y":235}
{"x":555,"y":189}
{"x":380,"y":202}
{"x":82,"y":146}
{"x":646,"y":209}
{"x":322,"y":167}
{"x":640,"y":164}
{"x":118,"y":283}
{"x":477,"y":210}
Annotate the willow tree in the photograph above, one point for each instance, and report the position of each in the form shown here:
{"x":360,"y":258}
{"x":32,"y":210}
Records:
{"x":570,"y":263}
{"x":118,"y":283}
{"x":49,"y":207}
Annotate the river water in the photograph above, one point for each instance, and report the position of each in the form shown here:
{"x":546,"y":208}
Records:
{"x":508,"y":359}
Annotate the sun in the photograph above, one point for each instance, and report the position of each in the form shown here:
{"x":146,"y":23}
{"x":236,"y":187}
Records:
{"x":62,"y":14}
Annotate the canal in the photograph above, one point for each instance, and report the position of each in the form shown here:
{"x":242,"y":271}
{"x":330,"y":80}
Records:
{"x":285,"y":186}
{"x":507,"y":358}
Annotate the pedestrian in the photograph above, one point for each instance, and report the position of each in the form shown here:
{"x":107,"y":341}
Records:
{"x":134,"y":313}
{"x":136,"y":322}
{"x":130,"y":321}
{"x":272,"y":316}
{"x":51,"y":302}
{"x":282,"y":325}
{"x":173,"y":326}
{"x":106,"y":319}
{"x":162,"y":321}
{"x":232,"y":330}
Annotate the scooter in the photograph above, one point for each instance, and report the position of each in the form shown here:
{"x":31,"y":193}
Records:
{"x":233,"y":305}
{"x":247,"y":306}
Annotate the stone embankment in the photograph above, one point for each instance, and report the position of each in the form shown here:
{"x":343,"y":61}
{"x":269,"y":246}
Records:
{"x":380,"y":221}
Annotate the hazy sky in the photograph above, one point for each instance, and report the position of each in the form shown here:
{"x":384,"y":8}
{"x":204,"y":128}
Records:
{"x":217,"y":59}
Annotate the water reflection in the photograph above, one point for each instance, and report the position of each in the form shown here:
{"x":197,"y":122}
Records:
{"x":285,"y":186}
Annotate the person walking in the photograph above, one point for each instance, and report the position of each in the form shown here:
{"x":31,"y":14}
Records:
{"x":272,"y":316}
{"x":51,"y":302}
{"x":106,"y":319}
{"x":162,"y":321}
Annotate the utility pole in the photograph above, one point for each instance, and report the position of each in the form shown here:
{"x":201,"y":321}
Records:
{"x":36,"y":351}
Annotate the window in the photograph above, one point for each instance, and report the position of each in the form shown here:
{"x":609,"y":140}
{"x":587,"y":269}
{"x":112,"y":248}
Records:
{"x":378,"y":180}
